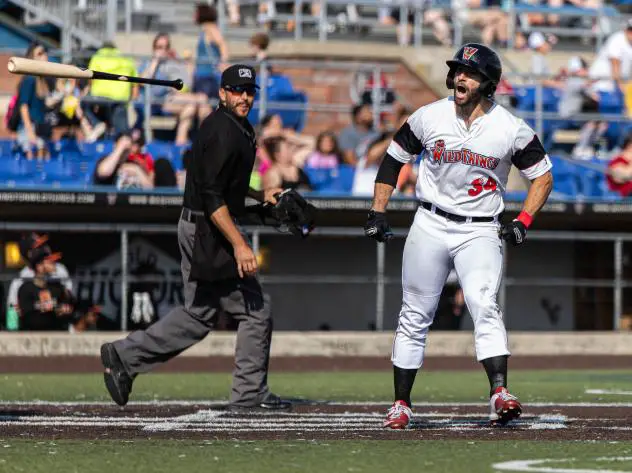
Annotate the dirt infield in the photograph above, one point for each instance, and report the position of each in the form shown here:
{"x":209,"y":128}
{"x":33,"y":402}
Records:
{"x":86,"y":364}
{"x":182,"y":420}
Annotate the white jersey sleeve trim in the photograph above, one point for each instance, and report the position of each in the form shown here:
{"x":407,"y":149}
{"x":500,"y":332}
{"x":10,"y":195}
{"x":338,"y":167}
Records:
{"x":398,"y":153}
{"x":538,"y":169}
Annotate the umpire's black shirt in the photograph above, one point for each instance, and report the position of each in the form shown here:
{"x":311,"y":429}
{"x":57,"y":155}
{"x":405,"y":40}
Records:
{"x":223,"y":156}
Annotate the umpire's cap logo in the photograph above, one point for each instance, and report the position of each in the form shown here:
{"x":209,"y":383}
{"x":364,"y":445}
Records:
{"x":469,"y":52}
{"x":245,"y":73}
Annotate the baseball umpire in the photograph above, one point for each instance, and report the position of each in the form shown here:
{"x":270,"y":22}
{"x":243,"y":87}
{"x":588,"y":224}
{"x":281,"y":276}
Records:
{"x":218,"y":265}
{"x":469,"y":144}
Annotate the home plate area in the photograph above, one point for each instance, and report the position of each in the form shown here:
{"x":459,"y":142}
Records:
{"x":308,"y":421}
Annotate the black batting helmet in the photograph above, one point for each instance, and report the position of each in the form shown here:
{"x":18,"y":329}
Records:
{"x":480,"y":58}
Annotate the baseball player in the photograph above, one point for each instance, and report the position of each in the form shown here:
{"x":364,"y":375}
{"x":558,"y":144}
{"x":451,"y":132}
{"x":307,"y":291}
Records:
{"x":469,"y":144}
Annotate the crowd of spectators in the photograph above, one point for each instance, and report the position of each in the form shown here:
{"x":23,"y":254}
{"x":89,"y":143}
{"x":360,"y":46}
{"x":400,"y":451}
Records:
{"x":93,"y":110}
{"x":582,"y":85}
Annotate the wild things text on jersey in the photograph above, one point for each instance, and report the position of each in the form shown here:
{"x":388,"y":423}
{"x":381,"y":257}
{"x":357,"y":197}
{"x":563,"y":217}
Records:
{"x":464,"y":156}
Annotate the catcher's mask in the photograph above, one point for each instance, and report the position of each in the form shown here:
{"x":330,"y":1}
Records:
{"x":483,"y":60}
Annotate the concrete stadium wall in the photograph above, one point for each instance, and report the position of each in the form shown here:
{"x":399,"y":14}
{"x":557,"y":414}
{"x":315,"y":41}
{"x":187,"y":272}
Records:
{"x":332,"y":344}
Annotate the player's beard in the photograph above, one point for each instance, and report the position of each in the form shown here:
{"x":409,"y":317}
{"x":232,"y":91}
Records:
{"x":238,"y":105}
{"x":466,"y":97}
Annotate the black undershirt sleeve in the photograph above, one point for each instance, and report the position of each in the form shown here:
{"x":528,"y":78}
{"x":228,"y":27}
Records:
{"x":389,"y":171}
{"x":532,"y":154}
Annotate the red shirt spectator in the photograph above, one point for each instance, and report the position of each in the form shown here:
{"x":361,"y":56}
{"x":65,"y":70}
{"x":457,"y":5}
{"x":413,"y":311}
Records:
{"x":144,"y":160}
{"x":620,"y":170}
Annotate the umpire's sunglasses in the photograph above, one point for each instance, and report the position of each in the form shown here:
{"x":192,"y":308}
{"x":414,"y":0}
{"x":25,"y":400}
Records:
{"x":240,"y":89}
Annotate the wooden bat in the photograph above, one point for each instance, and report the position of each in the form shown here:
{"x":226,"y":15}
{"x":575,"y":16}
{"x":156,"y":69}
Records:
{"x":19,"y":65}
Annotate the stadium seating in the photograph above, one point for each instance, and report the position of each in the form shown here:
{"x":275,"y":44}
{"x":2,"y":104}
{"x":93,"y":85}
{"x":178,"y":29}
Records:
{"x":72,"y":166}
{"x":332,"y":181}
{"x":279,"y":90}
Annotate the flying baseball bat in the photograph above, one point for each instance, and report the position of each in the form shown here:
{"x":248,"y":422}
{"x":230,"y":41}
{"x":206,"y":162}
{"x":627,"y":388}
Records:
{"x":18,"y":65}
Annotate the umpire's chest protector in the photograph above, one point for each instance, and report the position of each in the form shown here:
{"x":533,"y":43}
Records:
{"x":213,"y":256}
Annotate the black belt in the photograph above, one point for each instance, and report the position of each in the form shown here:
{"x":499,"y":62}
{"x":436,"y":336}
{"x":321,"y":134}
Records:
{"x":189,"y":215}
{"x":454,"y":217}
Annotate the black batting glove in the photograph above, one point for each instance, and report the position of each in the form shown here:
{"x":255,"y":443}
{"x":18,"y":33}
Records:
{"x":377,"y":227}
{"x":514,"y":232}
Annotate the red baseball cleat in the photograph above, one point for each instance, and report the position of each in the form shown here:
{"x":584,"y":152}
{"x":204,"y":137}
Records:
{"x":398,"y":416}
{"x":504,"y":407}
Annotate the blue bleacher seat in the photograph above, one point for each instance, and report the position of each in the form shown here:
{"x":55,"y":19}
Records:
{"x":319,"y":178}
{"x":565,"y":177}
{"x":16,"y":168}
{"x":279,"y":89}
{"x":611,"y":102}
{"x":526,"y":97}
{"x":97,"y":149}
{"x":58,"y":171}
{"x":340,"y":182}
{"x":6,"y":148}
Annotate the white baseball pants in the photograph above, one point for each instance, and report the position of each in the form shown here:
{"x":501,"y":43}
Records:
{"x":434,"y":245}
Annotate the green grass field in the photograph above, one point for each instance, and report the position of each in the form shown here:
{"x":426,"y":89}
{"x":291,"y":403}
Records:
{"x":188,"y":456}
{"x":466,"y":386}
{"x":305,"y":457}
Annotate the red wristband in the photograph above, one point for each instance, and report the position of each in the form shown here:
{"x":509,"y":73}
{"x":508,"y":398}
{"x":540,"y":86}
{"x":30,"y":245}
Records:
{"x":525,"y":218}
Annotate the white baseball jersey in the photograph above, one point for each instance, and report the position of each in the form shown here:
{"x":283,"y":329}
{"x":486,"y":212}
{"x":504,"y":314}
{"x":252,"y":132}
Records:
{"x":464,"y":171}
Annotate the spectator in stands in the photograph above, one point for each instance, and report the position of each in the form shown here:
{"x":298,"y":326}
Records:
{"x":65,"y":101}
{"x":577,"y":97}
{"x":556,"y":20}
{"x":433,"y":17}
{"x":541,"y":47}
{"x":619,"y":175}
{"x":299,"y":145}
{"x":366,"y":170}
{"x":187,"y":106}
{"x":212,"y":53}
{"x":44,"y":304}
{"x":283,"y":171}
{"x":234,"y":12}
{"x":33,"y":130}
{"x":164,"y":174}
{"x":60,"y":274}
{"x":259,"y":43}
{"x":360,"y":130}
{"x":327,"y":154}
{"x":271,"y":124}
{"x":110,"y":99}
{"x":85,"y":317}
{"x":126,"y":166}
{"x":614,"y":62}
{"x":486,"y":15}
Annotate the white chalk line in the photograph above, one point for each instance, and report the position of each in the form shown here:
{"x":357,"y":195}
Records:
{"x":537,"y":466}
{"x":614,"y":392}
{"x":225,"y":421}
{"x":222,"y":404}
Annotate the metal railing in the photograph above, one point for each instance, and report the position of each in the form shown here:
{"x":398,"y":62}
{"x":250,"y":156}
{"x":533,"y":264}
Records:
{"x":416,"y":8}
{"x":90,"y":22}
{"x":379,"y":279}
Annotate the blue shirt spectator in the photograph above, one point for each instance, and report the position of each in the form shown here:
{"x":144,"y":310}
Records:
{"x":31,"y":106}
{"x":27,"y":95}
{"x":212,"y":52}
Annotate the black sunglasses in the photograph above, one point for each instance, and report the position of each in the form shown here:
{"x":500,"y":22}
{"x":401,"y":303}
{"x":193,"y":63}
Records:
{"x":240,"y":89}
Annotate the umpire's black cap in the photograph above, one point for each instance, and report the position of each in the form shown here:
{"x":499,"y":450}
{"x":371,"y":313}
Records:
{"x":239,"y":75}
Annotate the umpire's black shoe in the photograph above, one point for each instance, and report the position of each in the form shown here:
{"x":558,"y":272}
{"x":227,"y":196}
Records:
{"x":274,"y":402}
{"x":270,"y":402}
{"x":117,"y":381}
